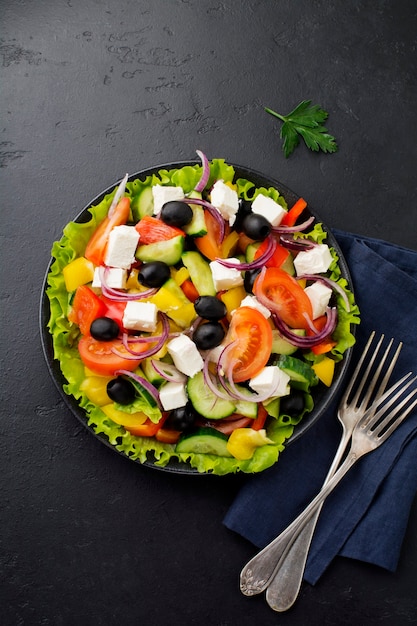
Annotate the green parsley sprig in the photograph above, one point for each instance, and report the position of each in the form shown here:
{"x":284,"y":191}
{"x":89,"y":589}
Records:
{"x":305,"y":121}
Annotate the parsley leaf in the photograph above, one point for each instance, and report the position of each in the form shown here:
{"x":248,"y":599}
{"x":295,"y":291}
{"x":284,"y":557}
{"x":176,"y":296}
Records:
{"x":305,"y":121}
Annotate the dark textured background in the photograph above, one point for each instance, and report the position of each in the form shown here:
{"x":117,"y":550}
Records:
{"x":93,"y":89}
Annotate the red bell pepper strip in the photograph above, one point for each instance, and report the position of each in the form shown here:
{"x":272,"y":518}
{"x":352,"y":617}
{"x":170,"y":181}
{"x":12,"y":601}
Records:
{"x":294,"y":213}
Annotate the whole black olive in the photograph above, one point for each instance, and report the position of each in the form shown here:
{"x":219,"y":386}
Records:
{"x":104,"y":329}
{"x":256,"y":226}
{"x":209,"y":335}
{"x":176,"y":213}
{"x":154,"y":274}
{"x":121,"y":390}
{"x":293,"y":404}
{"x":210,"y":307}
{"x":243,"y":210}
{"x":182,"y":418}
{"x":249,"y":279}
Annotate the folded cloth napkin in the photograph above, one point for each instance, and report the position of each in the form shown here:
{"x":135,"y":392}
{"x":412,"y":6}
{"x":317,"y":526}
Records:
{"x":366,"y":516}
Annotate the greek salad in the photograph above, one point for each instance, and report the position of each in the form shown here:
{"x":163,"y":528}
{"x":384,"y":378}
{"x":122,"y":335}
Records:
{"x":194,"y":314}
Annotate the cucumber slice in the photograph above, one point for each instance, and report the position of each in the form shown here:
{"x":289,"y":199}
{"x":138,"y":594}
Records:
{"x":205,"y":401}
{"x":169,"y":251}
{"x":281,"y":345}
{"x":151,"y":374}
{"x":197,"y":227}
{"x":245,"y":407}
{"x":142,"y":204}
{"x":288,"y":265}
{"x":204,"y":441}
{"x":251,"y":251}
{"x":297,"y":370}
{"x":200,"y":273}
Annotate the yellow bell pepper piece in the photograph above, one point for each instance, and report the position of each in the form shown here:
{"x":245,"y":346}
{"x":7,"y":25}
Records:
{"x":95,"y":388}
{"x":180,"y":275}
{"x":244,"y":441}
{"x":232,"y":298}
{"x":79,"y":272}
{"x":229,"y":244}
{"x":324,"y":369}
{"x":125,"y":419}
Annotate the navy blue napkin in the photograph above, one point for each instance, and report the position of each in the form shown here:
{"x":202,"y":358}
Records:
{"x":366,"y":516}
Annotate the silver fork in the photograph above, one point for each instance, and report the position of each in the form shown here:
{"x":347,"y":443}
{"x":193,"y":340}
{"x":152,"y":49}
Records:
{"x":284,"y":587}
{"x":375,"y":426}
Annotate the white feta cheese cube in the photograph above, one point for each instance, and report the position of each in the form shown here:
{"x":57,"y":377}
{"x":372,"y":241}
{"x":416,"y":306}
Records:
{"x":116,"y":278}
{"x":319,"y":296}
{"x":225,"y":277}
{"x":271,"y":380}
{"x":317,"y":260}
{"x":140,"y":316}
{"x":172,"y":395}
{"x":162,"y":194}
{"x":185,"y":355}
{"x":253,"y":302}
{"x":121,"y":246}
{"x":225,"y":200}
{"x":271,"y":210}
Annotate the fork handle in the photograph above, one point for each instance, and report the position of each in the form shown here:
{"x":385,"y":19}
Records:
{"x":258,"y":572}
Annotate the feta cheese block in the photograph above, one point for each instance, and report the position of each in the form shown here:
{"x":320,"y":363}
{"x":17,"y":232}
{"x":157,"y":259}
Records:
{"x":225,"y":277}
{"x":163,"y":194}
{"x":319,"y":296}
{"x":269,"y":209}
{"x":271,"y":380}
{"x":116,"y":278}
{"x":225,"y":200}
{"x":172,"y":395}
{"x":140,"y":316}
{"x":253,"y":302}
{"x":185,"y":355}
{"x":317,"y":260}
{"x":121,"y":247}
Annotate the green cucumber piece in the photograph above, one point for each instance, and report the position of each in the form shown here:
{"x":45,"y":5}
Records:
{"x":251,"y":251}
{"x":246,"y":407}
{"x":298,"y":371}
{"x":288,"y":265}
{"x":281,"y":345}
{"x":205,"y":401}
{"x":200,"y":273}
{"x":142,"y":204}
{"x":197,"y":227}
{"x":169,"y":251}
{"x":151,"y":374}
{"x":204,"y":441}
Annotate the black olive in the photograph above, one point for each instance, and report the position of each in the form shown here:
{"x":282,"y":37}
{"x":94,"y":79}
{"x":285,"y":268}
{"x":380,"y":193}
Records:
{"x":154,"y":274}
{"x":293,"y":404}
{"x":104,"y":329}
{"x":243,"y":211}
{"x":209,"y":335}
{"x":249,"y":279}
{"x":121,"y":390}
{"x":176,"y":213}
{"x":182,"y":419}
{"x":256,"y":226}
{"x":210,"y":307}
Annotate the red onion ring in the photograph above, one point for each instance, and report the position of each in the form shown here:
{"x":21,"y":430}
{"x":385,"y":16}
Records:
{"x":211,"y":384}
{"x":293,"y":229}
{"x":298,"y":245}
{"x":119,"y":193}
{"x":205,"y":174}
{"x":329,"y":283}
{"x":168,"y":371}
{"x":212,"y":210}
{"x":160,"y":340}
{"x":259,"y":262}
{"x":153,"y":391}
{"x":307,"y":342}
{"x":119,"y":296}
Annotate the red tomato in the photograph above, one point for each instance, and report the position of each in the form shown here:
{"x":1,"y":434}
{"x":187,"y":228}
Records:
{"x":115,"y":310}
{"x":327,"y":343}
{"x":259,"y":422}
{"x":277,"y":259}
{"x":96,"y":247}
{"x":86,"y":307}
{"x":253,"y":336}
{"x":287,"y":298}
{"x":210,"y":244}
{"x":151,"y":230}
{"x":228,"y":425}
{"x":98,"y":355}
{"x":189,"y":290}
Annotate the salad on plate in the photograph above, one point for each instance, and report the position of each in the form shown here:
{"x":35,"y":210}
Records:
{"x":195,"y":316}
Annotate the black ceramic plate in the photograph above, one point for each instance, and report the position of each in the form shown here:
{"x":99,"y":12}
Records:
{"x":322,"y":396}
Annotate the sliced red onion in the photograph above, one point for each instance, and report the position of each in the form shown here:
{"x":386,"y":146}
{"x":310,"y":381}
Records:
{"x":211,"y":384}
{"x":329,"y":283}
{"x":119,"y":296}
{"x":205,"y":174}
{"x":254,"y":397}
{"x":212,"y":210}
{"x":307,"y":342}
{"x":259,"y":262}
{"x":294,"y":229}
{"x":160,"y":340}
{"x":226,"y":378}
{"x":168,"y":371}
{"x":153,"y":391}
{"x":119,"y":193}
{"x":298,"y":245}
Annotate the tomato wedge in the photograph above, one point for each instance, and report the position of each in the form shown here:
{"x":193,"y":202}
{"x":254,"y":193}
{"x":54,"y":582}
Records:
{"x":86,"y":307}
{"x":96,"y":247}
{"x":252,"y":335}
{"x":152,"y":230}
{"x":210,"y":244}
{"x":99,"y":357}
{"x":284,"y":296}
{"x":280,"y":255}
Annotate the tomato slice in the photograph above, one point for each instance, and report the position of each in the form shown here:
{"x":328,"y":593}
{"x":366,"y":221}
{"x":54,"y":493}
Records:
{"x":280,"y":255}
{"x":285,"y":296}
{"x":99,"y":358}
{"x":252,"y":335}
{"x":152,"y":230}
{"x":210,"y":244}
{"x":86,"y":307}
{"x":96,"y":247}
